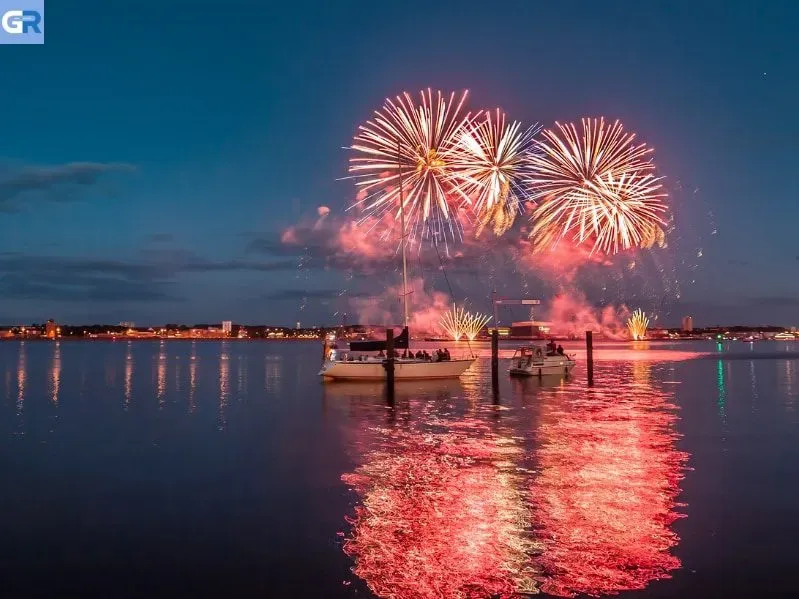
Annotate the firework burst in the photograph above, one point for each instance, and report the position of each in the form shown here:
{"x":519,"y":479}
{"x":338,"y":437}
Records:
{"x":637,"y":324}
{"x":458,"y":323}
{"x":595,"y":186}
{"x":491,"y":166}
{"x":418,"y":142}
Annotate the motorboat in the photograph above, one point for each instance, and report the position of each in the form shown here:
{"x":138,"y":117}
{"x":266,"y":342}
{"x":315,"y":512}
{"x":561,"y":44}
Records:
{"x":532,"y":360}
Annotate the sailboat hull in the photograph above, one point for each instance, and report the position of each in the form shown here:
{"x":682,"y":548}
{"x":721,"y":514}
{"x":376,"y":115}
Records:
{"x":403,"y":370}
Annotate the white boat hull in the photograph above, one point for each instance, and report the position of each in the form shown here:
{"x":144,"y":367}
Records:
{"x":546,"y":366}
{"x":374,"y":370}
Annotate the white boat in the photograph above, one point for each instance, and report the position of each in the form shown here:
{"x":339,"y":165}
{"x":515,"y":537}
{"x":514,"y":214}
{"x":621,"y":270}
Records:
{"x":371,"y":368}
{"x":531,"y":360}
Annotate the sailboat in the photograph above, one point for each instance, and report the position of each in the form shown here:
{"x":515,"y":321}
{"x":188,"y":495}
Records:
{"x":346,"y":367}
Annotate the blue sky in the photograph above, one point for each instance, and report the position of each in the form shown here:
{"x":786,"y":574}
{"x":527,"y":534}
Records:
{"x":147,"y":147}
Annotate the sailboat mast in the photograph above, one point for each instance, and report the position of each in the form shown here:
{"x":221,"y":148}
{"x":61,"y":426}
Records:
{"x":403,"y":243}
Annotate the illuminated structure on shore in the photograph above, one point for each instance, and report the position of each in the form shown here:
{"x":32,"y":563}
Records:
{"x":688,"y":324}
{"x":52,"y":330}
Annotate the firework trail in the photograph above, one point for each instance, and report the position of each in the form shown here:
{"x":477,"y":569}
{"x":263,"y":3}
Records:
{"x":595,"y":186}
{"x":491,"y":166}
{"x":421,"y":140}
{"x":459,"y":323}
{"x":637,"y":324}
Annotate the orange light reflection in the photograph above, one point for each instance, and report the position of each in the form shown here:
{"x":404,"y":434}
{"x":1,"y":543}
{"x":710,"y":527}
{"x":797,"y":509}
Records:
{"x":605,"y":495}
{"x":443,"y":515}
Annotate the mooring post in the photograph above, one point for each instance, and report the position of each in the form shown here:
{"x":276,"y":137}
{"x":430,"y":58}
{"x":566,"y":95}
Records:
{"x":390,"y":362}
{"x":324,"y":349}
{"x":495,"y":358}
{"x":589,"y":359}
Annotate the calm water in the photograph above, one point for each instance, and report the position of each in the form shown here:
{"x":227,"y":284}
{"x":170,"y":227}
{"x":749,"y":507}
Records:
{"x":227,"y":469}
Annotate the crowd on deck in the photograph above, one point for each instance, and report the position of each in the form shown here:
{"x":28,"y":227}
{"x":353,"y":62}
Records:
{"x":440,"y":355}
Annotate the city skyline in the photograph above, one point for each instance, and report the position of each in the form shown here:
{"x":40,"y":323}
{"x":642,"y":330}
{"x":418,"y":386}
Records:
{"x":157,"y":185}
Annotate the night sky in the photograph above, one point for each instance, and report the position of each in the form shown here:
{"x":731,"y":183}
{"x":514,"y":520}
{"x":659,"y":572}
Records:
{"x":152,"y":152}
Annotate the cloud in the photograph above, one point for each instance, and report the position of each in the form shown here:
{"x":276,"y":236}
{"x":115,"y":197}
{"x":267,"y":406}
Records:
{"x":150,"y":278}
{"x":51,"y":183}
{"x":238,"y":265}
{"x":58,"y":266}
{"x":177,"y":260}
{"x":81,"y":288}
{"x":319,"y":294}
{"x":774,"y":301}
{"x":160,"y":237}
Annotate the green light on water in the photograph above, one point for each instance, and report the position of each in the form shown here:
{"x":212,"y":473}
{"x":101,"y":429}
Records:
{"x":722,"y":390}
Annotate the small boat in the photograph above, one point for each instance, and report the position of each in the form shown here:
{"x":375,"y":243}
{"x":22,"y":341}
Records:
{"x":532,"y":360}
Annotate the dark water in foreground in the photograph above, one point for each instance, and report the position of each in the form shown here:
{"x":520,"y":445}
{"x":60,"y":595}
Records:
{"x":227,"y":469}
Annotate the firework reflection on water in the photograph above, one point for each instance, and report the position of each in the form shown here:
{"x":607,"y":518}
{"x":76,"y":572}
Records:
{"x":555,"y":488}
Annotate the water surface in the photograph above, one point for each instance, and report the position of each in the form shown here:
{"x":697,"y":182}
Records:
{"x":144,"y":468}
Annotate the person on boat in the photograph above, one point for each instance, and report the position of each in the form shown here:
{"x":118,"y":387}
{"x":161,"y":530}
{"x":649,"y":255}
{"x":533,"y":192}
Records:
{"x":419,"y":355}
{"x":380,"y":354}
{"x":425,"y":356}
{"x":560,"y":350}
{"x":447,"y":355}
{"x":551,"y":347}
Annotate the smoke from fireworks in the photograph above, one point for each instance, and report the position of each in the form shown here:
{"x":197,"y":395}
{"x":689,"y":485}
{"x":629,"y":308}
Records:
{"x":637,"y":324}
{"x":416,"y":142}
{"x":570,"y":314}
{"x":492,"y":163}
{"x":425,"y":310}
{"x":459,"y":323}
{"x":597,"y":187}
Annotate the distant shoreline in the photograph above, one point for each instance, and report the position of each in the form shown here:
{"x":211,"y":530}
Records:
{"x":429,"y":340}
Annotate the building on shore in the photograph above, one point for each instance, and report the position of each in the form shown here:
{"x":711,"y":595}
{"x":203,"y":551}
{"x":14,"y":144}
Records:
{"x":209,"y":333}
{"x":529,"y":329}
{"x":658,"y":333}
{"x":141,"y":333}
{"x":502,"y":332}
{"x":52,"y":330}
{"x":227,"y":327}
{"x":687,"y":324}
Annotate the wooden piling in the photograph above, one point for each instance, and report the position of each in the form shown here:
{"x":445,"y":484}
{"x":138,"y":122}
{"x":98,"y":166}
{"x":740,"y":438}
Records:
{"x":390,"y":362}
{"x":495,"y":358}
{"x":589,"y":359}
